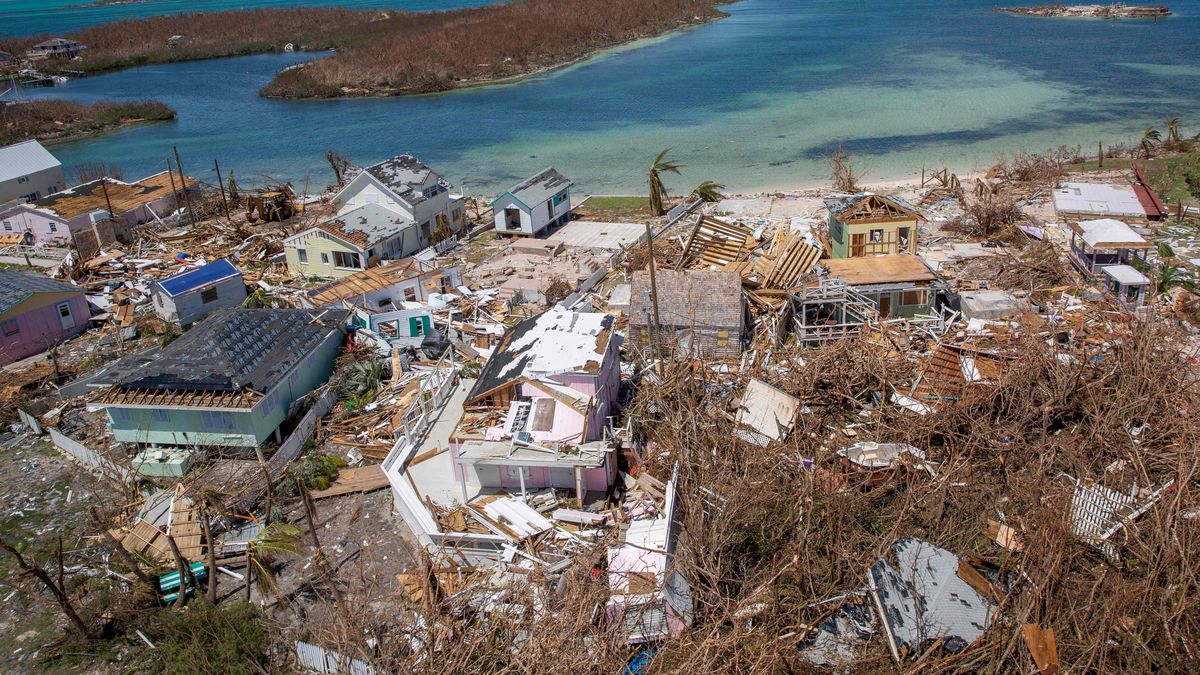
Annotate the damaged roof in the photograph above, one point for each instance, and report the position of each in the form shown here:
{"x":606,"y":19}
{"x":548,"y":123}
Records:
{"x":923,"y":599}
{"x":405,"y":175}
{"x":847,"y":208}
{"x":234,"y":350}
{"x":552,"y":343}
{"x":538,"y":188}
{"x":17,"y":285}
{"x":896,"y":268}
{"x":124,"y":197}
{"x":688,"y":298}
{"x":367,"y":225}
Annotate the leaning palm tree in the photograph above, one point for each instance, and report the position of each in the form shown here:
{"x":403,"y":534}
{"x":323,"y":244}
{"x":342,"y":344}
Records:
{"x":709,"y":191}
{"x":1150,"y":137}
{"x":274,"y":539}
{"x":658,"y":191}
{"x":1172,"y":124}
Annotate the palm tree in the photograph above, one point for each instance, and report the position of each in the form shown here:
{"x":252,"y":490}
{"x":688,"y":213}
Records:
{"x":658,"y":191}
{"x":274,"y":539}
{"x":709,"y":191}
{"x":1149,"y":137}
{"x":1172,"y":276}
{"x":1173,"y":130}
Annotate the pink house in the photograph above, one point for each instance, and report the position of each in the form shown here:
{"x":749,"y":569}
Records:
{"x":535,"y":418}
{"x":53,"y":218}
{"x":37,"y":312}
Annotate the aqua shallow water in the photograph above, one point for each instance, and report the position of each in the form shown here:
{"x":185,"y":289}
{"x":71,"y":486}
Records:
{"x":754,"y":101}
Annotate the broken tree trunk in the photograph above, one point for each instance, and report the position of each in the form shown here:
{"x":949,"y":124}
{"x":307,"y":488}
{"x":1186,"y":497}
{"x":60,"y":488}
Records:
{"x":129,"y":561}
{"x":33,"y":569}
{"x":185,"y":572}
{"x":212,"y":553}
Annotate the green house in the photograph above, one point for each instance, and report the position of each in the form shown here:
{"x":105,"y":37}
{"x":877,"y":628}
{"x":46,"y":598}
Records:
{"x":870,"y":224}
{"x":229,"y":381}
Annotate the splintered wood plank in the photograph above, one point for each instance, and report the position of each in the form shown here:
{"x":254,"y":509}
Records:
{"x":185,"y":527}
{"x":358,"y":479}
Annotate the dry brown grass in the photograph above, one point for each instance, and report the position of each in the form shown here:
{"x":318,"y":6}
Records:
{"x":49,"y":119}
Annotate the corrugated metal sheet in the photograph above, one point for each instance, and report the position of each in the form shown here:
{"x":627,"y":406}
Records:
{"x":321,"y":660}
{"x":22,"y":159}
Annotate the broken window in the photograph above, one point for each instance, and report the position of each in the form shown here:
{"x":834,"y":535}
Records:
{"x":53,"y":227}
{"x":877,"y":236}
{"x":208,"y":295}
{"x":388,"y":329}
{"x":325,"y":258}
{"x":410,"y":294}
{"x":903,"y":234}
{"x":348,"y":260}
{"x":912,"y":298}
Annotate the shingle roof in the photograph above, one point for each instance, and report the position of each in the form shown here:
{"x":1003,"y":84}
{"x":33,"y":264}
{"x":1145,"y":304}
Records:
{"x":190,"y":280}
{"x":688,"y":298}
{"x":16,"y":285}
{"x":367,"y":225}
{"x":404,"y":175}
{"x":537,"y":189}
{"x":551,"y":343}
{"x":22,"y":159}
{"x":236,"y":349}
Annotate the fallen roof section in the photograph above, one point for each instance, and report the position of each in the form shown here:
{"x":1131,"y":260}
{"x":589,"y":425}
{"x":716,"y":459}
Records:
{"x":124,"y":197}
{"x":880,"y":269}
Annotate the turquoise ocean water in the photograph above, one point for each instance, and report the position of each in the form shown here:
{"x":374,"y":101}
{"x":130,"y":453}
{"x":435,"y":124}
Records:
{"x":754,"y":101}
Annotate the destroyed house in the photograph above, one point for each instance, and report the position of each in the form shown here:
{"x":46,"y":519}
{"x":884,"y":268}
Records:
{"x":37,"y":312}
{"x":536,"y":415}
{"x":55,"y":48}
{"x":405,"y":186}
{"x":534,"y":204}
{"x":897,"y":285}
{"x":386,"y":287}
{"x":775,"y":263}
{"x":1136,"y":203}
{"x":229,"y":381}
{"x":106,"y":205}
{"x":869,"y":224}
{"x":649,"y":598}
{"x":354,"y":241}
{"x":1096,"y":244}
{"x":952,"y":368}
{"x":701,"y":313}
{"x":191,"y":295}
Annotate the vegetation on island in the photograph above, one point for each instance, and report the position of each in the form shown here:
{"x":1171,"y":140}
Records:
{"x":52,"y":119}
{"x":381,"y":53}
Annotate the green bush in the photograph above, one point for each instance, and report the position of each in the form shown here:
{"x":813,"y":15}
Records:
{"x":320,"y":470}
{"x":206,"y":639}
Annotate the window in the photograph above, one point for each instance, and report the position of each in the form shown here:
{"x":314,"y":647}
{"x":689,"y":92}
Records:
{"x":722,"y":338}
{"x":348,"y":260}
{"x":160,"y":415}
{"x":416,"y":326}
{"x":425,"y":230}
{"x":8,"y":226}
{"x":10,"y":327}
{"x":302,"y":255}
{"x":370,"y":253}
{"x":31,"y":197}
{"x":912,"y":298}
{"x":53,"y":227}
{"x":456,"y":214}
{"x":410,"y":294}
{"x":877,"y":236}
{"x":216,"y":419}
{"x":384,"y":302}
{"x":22,"y":179}
{"x":324,"y":258}
{"x":903,"y":234}
{"x":550,"y":210}
{"x":560,"y":198}
{"x":208,"y":295}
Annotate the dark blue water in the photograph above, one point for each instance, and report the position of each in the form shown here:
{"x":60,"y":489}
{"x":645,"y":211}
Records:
{"x":754,"y":101}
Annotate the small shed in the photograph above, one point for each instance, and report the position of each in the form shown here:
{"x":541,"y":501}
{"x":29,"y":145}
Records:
{"x":538,"y":202}
{"x":702,"y":312}
{"x":189,"y":296}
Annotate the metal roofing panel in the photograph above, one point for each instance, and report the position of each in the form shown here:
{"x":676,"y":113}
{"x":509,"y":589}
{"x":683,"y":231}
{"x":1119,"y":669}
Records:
{"x":22,"y":159}
{"x":201,"y":276}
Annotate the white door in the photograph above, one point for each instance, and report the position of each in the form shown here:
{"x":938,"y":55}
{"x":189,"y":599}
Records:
{"x":65,"y":317}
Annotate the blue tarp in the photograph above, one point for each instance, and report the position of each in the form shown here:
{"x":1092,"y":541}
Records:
{"x":186,"y":281}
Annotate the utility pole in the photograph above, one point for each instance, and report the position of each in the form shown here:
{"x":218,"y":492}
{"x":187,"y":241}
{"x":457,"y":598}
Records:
{"x":221,"y":183}
{"x":104,"y":186}
{"x":657,"y":323}
{"x":183,"y":183}
{"x":174,"y":190}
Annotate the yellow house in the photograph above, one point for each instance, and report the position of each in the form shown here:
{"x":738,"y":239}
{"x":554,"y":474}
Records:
{"x":870,"y":224}
{"x":352,"y":242}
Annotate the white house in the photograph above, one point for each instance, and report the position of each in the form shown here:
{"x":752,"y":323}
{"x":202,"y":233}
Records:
{"x":385,"y":212}
{"x":28,"y":172}
{"x":407,"y":186}
{"x":534,"y":204}
{"x":191,"y":295}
